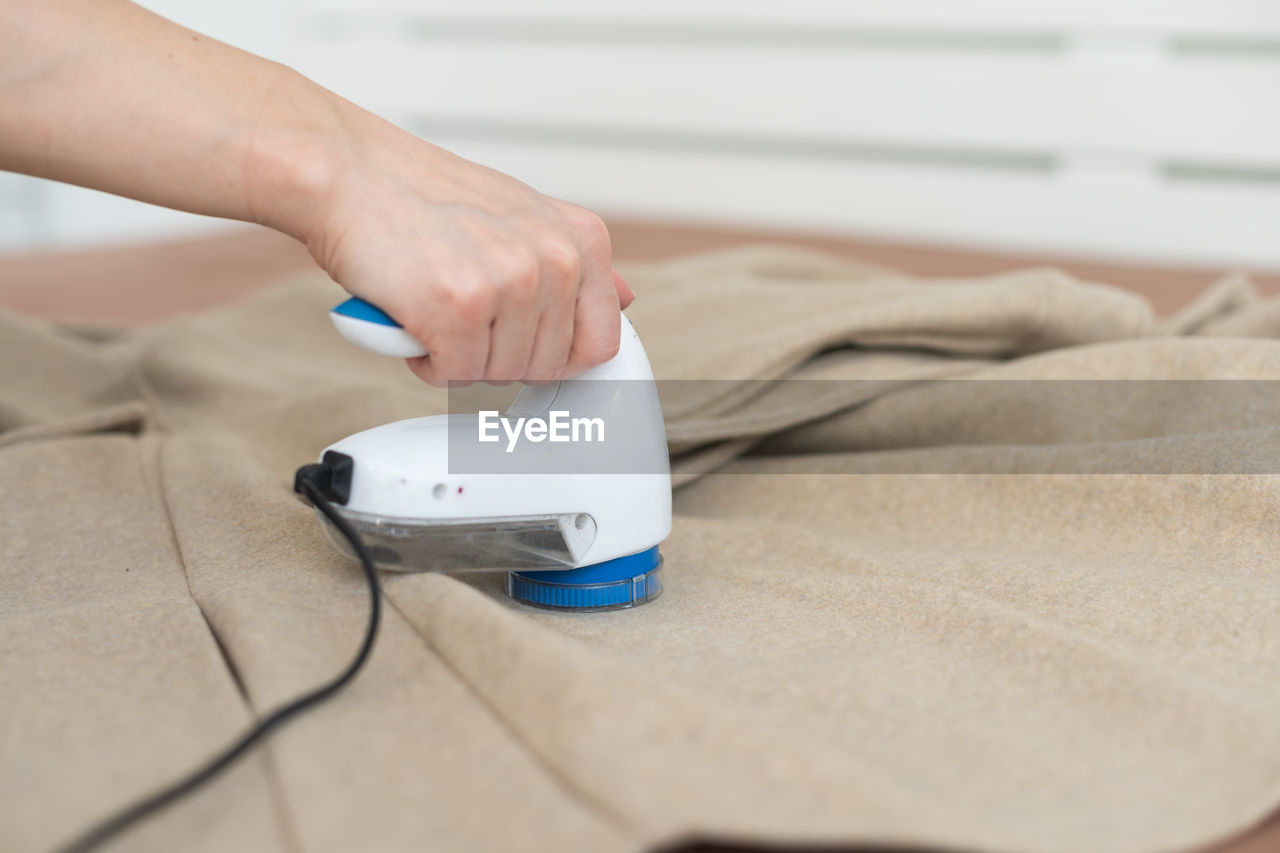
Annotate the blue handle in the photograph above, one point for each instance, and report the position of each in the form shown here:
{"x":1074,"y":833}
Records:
{"x":358,"y":309}
{"x":367,"y":325}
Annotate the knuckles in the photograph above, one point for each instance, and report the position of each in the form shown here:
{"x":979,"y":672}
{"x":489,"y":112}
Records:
{"x":471,"y":301}
{"x":517,"y":271}
{"x":590,"y":231}
{"x":561,"y":260}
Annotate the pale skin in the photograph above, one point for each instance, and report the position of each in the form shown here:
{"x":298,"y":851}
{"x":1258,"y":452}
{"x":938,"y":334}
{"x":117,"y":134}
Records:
{"x":498,"y":281}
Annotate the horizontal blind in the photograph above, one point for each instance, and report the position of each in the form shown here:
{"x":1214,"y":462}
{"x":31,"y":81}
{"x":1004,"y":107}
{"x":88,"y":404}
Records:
{"x":1142,"y":130}
{"x":1145,"y":129}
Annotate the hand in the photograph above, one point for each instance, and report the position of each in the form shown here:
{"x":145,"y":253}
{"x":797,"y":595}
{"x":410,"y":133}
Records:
{"x":498,"y":281}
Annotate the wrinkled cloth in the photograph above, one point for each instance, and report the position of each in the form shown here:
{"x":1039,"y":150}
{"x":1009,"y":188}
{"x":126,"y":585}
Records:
{"x":1028,"y":658}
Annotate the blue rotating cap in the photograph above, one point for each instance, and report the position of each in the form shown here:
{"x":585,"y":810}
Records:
{"x":612,"y":585}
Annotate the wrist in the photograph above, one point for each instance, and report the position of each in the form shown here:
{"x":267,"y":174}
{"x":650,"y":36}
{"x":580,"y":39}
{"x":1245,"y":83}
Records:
{"x":294,"y":167}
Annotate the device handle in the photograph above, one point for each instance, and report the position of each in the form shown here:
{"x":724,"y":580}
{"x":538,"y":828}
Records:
{"x":368,"y":326}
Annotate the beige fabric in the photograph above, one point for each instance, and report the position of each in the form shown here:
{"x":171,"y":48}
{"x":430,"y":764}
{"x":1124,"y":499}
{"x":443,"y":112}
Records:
{"x":1030,"y":662}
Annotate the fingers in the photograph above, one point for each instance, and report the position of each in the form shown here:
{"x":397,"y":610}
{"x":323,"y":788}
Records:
{"x":456,"y":360}
{"x":596,"y":327}
{"x":511,"y":342}
{"x":625,"y":294}
{"x":554,"y":340}
{"x":561,"y":269}
{"x":482,"y":318}
{"x":458,"y":347}
{"x":532,"y":304}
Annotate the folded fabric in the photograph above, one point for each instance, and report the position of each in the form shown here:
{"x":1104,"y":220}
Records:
{"x":902,"y":604}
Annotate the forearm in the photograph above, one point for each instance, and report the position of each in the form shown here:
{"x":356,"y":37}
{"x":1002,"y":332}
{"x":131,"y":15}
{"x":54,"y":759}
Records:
{"x":498,"y":281}
{"x":104,"y":94}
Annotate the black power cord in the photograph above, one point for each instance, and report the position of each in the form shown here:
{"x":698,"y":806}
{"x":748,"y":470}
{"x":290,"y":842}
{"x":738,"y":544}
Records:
{"x":312,"y":482}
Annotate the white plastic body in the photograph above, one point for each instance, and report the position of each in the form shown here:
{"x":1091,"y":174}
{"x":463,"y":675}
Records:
{"x":375,"y":337}
{"x":402,"y":469}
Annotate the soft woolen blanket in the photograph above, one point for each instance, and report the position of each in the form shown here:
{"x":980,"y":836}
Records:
{"x":914,"y":609}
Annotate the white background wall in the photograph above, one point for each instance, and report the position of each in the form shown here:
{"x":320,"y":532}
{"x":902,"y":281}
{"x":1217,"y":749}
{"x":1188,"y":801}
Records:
{"x":1141,"y":129}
